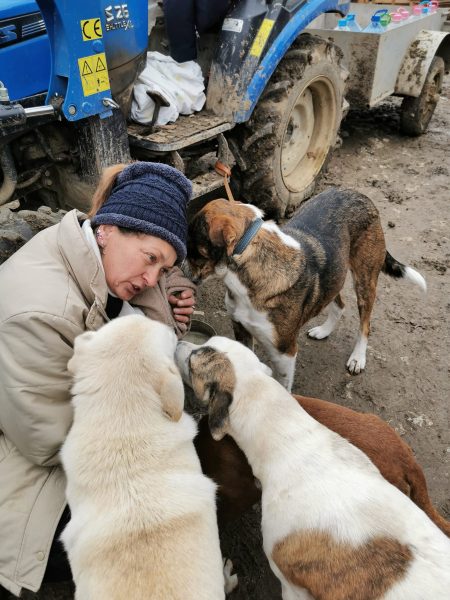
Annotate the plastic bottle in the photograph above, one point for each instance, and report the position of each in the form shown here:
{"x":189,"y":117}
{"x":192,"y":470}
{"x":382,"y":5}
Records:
{"x":432,"y":5}
{"x":352,"y":23}
{"x":416,"y":12}
{"x":404,"y":12}
{"x":375,"y":25}
{"x":342,"y":25}
{"x":396,"y":20}
{"x":385,"y":20}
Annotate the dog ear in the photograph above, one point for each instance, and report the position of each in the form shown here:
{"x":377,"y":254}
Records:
{"x":219,"y":403}
{"x":171,"y":392}
{"x":222,"y":232}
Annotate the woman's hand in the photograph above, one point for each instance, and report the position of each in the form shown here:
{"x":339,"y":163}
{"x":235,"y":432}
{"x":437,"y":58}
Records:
{"x":183,"y":305}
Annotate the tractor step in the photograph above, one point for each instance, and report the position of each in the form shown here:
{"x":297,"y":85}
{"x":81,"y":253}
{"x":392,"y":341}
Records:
{"x":186,"y":131}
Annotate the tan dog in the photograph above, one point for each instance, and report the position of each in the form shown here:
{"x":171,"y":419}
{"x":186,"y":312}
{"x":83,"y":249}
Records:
{"x":143,"y":519}
{"x":333,"y":528}
{"x":279,"y":278}
{"x":225,"y":463}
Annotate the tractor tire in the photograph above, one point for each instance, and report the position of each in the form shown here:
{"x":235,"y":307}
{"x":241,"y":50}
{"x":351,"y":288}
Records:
{"x":416,"y":113}
{"x":294,"y":127}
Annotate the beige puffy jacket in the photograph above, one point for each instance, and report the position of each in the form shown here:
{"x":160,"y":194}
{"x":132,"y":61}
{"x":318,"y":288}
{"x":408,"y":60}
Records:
{"x":52,"y":289}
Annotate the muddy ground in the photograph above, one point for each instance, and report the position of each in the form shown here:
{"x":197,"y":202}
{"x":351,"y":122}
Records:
{"x":406,"y":381}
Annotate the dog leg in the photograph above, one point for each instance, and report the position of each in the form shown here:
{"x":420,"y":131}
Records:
{"x":357,"y":361}
{"x":231,"y":581}
{"x":335,"y":311}
{"x":366,"y":260}
{"x":365,"y":287}
{"x":242,"y":335}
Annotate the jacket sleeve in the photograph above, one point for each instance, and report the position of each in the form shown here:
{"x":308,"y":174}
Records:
{"x":35,"y":408}
{"x":154,"y":301}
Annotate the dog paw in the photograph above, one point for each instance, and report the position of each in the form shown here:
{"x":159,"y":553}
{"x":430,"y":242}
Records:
{"x":319,"y":333}
{"x":355,"y":365}
{"x":231,"y":581}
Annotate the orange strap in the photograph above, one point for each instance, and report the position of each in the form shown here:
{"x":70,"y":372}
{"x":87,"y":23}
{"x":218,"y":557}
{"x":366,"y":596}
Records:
{"x":226,"y":172}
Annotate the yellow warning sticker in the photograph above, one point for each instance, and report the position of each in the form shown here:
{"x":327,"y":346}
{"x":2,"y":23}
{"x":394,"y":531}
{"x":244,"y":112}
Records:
{"x":261,"y":37}
{"x":94,"y":74}
{"x":91,"y":29}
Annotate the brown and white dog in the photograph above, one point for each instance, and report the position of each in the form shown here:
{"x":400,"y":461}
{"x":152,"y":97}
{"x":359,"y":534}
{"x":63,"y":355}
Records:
{"x":333,"y":527}
{"x":225,"y":463}
{"x":277,"y":279}
{"x":143,"y":516}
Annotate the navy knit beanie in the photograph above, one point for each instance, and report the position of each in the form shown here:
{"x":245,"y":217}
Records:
{"x":150,"y":198}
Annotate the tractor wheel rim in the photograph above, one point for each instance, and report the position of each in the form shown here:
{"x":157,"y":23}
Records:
{"x":308,"y":134}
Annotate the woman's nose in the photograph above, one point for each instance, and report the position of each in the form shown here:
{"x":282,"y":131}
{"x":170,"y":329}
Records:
{"x":151,"y":277}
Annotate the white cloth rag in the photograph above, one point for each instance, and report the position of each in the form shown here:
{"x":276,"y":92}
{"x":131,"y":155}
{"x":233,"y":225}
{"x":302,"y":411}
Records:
{"x":181,"y":84}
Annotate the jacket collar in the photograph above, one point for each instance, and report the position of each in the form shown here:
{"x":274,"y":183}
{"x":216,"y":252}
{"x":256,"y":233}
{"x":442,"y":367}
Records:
{"x":80,"y":259}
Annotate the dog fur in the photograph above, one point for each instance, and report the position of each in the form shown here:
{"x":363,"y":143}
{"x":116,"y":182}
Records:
{"x":143,"y":517}
{"x":286,"y":276}
{"x":225,"y":463}
{"x":333,"y":527}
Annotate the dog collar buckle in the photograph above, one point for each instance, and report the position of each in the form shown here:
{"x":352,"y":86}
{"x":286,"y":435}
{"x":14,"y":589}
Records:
{"x":249,"y":234}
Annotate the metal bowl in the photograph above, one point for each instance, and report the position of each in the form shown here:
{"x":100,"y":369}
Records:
{"x":200,"y":332}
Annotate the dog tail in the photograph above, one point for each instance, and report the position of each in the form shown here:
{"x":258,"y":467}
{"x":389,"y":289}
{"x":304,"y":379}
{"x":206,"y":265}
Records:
{"x":418,"y":492}
{"x":395,"y":269}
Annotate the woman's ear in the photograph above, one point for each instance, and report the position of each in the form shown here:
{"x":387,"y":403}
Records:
{"x":171,"y":392}
{"x":219,"y":418}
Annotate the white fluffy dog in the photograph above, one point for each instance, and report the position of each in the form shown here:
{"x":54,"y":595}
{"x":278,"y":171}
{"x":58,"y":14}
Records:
{"x":333,"y":527}
{"x":143,"y":519}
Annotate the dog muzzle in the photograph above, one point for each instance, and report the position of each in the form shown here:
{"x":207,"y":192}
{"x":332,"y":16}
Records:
{"x":182,"y":353}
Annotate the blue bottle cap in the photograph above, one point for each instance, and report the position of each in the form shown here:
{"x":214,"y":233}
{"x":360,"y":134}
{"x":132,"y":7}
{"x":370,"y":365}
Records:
{"x":342,"y":22}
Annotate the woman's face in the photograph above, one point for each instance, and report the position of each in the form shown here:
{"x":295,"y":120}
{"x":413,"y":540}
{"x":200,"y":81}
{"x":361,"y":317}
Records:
{"x":133,"y":262}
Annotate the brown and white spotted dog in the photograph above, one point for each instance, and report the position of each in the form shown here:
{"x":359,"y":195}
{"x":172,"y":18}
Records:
{"x":225,"y":463}
{"x":333,"y":528}
{"x":277,"y":278}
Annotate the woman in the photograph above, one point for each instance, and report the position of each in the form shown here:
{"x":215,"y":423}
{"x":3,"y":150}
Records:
{"x":69,"y":278}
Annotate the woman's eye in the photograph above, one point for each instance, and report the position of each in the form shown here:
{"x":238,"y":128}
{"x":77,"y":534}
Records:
{"x":151,"y":258}
{"x":164,"y":271}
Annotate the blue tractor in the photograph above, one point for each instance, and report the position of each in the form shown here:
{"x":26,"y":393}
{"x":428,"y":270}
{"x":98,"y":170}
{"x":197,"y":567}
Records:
{"x":275,"y":97}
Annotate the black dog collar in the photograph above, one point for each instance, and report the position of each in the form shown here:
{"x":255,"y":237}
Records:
{"x":249,"y":234}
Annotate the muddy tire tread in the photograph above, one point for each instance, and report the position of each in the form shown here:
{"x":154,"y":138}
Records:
{"x":261,"y":190}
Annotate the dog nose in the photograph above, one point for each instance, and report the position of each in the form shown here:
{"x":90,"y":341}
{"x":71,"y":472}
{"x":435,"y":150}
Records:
{"x":186,"y":268}
{"x":182,"y":353}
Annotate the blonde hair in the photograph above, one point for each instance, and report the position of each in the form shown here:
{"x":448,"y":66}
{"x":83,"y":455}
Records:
{"x":105,"y":185}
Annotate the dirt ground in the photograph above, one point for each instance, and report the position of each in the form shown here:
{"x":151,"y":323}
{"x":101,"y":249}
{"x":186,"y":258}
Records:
{"x":406,"y":381}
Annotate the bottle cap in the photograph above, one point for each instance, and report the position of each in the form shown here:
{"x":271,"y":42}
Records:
{"x":342,"y":22}
{"x":385,"y":20}
{"x":376,"y":18}
{"x":351,"y":17}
